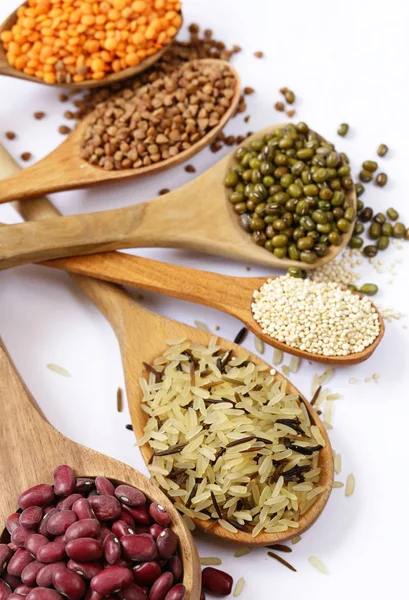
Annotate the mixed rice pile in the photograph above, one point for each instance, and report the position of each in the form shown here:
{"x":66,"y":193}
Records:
{"x":229,"y":442}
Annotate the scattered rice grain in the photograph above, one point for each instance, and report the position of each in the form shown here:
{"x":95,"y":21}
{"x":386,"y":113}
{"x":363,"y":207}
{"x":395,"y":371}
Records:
{"x":59,"y":370}
{"x":259,"y":345}
{"x":315,"y":562}
{"x":239,"y":587}
{"x":210,"y":560}
{"x":242,"y":552}
{"x":350,"y":485}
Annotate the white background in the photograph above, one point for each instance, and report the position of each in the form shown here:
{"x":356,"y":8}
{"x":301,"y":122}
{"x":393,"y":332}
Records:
{"x":346,"y":62}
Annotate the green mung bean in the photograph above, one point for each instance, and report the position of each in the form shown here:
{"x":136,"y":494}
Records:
{"x":359,"y":188}
{"x":383,"y":242}
{"x":381,"y":179}
{"x":366,"y":214}
{"x":382,"y":150}
{"x":399,"y":230}
{"x":374,"y":231}
{"x":370,"y":251}
{"x":365,"y":176}
{"x":289,"y":97}
{"x":343,"y":129}
{"x":387,"y":229}
{"x":392,"y":214}
{"x":370,"y":165}
{"x":369,"y":289}
{"x":356,"y":242}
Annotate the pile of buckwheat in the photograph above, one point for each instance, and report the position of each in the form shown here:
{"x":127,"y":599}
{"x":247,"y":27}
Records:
{"x":157,"y":121}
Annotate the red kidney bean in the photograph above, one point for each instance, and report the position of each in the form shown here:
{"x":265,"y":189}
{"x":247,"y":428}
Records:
{"x":175,"y":566}
{"x":41,"y":593}
{"x":112,"y":549}
{"x":147,"y":573}
{"x":104,"y":532}
{"x":140,"y":514}
{"x":13,"y":521}
{"x":84,"y":484}
{"x":86,"y":570}
{"x":120,"y":528}
{"x":34,"y":542}
{"x":20,"y":559}
{"x":133,"y":592}
{"x":58,"y":523}
{"x":84,"y":549}
{"x":142,"y":529}
{"x":12,"y":580}
{"x":127,"y":517}
{"x":178,"y":592}
{"x":19,"y":536}
{"x":5,"y":554}
{"x":111,"y":579}
{"x":67,"y":503}
{"x":161,"y":586}
{"x":216,"y":581}
{"x":129,"y":495}
{"x":167,"y":543}
{"x":155,"y":530}
{"x":85,"y":528}
{"x":51,"y":552}
{"x":68,"y":583}
{"x":83,"y":509}
{"x":30,"y":572}
{"x":105,"y":507}
{"x":104,"y":486}
{"x":39,"y":495}
{"x":91,"y":595}
{"x":45,"y":575}
{"x":43,"y":525}
{"x":15,"y":596}
{"x":139,"y":547}
{"x":64,"y":480}
{"x":23,"y":589}
{"x":159,"y":514}
{"x":31,"y":516}
{"x":5,"y":590}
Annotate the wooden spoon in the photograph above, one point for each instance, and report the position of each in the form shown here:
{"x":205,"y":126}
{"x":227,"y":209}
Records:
{"x":142,"y":337}
{"x":32,"y":448}
{"x":7,"y":69}
{"x":232,"y":295}
{"x":64,"y":169}
{"x":196,"y":216}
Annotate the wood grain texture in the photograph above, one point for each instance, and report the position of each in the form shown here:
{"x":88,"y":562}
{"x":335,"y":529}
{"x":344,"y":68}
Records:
{"x":142,"y":337}
{"x":232,"y":295}
{"x":64,"y":169}
{"x":6,"y":69}
{"x":196,"y":216}
{"x":31,"y":449}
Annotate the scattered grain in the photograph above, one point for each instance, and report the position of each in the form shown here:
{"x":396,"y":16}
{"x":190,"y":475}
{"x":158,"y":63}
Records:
{"x":210,"y":561}
{"x":39,"y":115}
{"x":279,"y":106}
{"x":296,"y":539}
{"x":202,"y":326}
{"x":64,"y":129}
{"x":119,"y":400}
{"x":259,"y":345}
{"x":281,"y":560}
{"x":164,"y":191}
{"x":10,"y":135}
{"x":59,"y":370}
{"x":315,"y":562}
{"x":277,"y":357}
{"x":190,"y":169}
{"x":350,"y":486}
{"x":259,"y":54}
{"x":26,"y":156}
{"x":239,"y":587}
{"x":337,"y":484}
{"x":242,"y":552}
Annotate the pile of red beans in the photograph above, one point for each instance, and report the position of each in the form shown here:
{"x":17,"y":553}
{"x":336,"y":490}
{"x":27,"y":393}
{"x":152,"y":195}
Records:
{"x":86,"y":538}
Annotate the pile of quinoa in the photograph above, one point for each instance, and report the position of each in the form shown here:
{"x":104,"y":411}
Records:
{"x":318,"y":317}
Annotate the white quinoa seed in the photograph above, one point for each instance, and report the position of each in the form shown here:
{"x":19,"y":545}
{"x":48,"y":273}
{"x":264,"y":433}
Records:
{"x":317,"y":317}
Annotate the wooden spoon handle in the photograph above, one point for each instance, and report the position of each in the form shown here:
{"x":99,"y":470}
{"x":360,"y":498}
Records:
{"x":109,"y":298}
{"x":223,"y":292}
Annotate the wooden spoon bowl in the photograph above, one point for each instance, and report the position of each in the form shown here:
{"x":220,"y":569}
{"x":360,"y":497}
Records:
{"x":33,"y":449}
{"x":207,"y":225}
{"x":7,"y":69}
{"x":64,"y":169}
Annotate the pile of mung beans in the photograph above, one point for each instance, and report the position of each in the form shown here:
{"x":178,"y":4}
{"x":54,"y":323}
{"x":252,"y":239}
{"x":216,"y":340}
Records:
{"x":89,"y":538}
{"x":293,"y":192}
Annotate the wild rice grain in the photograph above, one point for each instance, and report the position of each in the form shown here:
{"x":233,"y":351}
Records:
{"x":282,"y":561}
{"x":350,"y":485}
{"x":239,"y":587}
{"x":119,"y":400}
{"x":241,"y":336}
{"x":315,"y":562}
{"x":59,"y":370}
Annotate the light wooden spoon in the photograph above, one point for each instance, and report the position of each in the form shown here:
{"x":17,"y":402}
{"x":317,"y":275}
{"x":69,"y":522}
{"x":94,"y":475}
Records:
{"x":7,"y":69}
{"x":64,"y":169}
{"x":142,"y":337}
{"x":31,"y":449}
{"x":197,"y":216}
{"x":232,"y":295}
